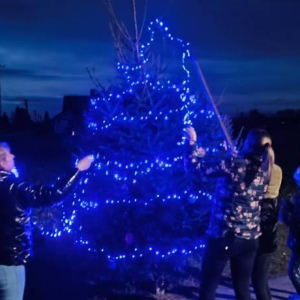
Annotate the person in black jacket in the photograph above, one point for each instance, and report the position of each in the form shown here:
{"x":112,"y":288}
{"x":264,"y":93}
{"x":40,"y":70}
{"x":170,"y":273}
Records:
{"x":268,"y":240}
{"x":16,"y":200}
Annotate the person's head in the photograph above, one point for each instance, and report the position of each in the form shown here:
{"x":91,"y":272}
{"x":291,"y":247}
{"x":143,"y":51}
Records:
{"x":259,"y":143}
{"x":7,"y":162}
{"x":297,"y":176}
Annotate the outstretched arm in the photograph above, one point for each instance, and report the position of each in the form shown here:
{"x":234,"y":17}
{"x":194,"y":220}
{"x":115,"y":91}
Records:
{"x":193,"y":153}
{"x":194,"y":157}
{"x":40,"y":195}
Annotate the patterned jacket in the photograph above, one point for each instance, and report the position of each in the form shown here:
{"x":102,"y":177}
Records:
{"x":240,"y":187}
{"x":16,"y":200}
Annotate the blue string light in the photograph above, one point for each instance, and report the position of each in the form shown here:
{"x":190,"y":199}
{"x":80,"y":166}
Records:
{"x":137,"y":253}
{"x":137,"y":76}
{"x":123,"y":117}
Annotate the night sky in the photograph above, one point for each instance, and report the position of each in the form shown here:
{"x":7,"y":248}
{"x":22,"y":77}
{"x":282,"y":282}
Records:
{"x":249,"y":49}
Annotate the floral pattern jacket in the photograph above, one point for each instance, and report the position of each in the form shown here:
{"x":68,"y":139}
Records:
{"x":240,"y":187}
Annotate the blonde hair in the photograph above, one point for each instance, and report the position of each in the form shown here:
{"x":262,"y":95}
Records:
{"x":268,"y":160}
{"x":3,"y":149}
{"x":259,"y":143}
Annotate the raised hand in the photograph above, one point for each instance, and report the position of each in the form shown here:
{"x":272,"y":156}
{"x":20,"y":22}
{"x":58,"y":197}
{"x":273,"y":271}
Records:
{"x":234,"y":151}
{"x":85,"y":163}
{"x":191,"y":134}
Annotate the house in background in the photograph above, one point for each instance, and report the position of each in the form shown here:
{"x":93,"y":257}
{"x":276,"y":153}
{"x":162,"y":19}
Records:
{"x":71,"y":119}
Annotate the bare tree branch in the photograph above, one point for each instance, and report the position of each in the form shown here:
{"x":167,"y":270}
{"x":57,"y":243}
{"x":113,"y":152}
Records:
{"x":115,"y":21}
{"x":136,"y":34}
{"x":95,"y":80}
{"x":144,"y":19}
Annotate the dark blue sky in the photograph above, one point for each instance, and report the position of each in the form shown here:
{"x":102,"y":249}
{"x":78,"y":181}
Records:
{"x":249,"y":50}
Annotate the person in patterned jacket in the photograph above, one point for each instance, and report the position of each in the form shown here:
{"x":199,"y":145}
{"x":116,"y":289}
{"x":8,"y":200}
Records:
{"x":290,"y":215}
{"x":235,"y":220}
{"x":16,"y":200}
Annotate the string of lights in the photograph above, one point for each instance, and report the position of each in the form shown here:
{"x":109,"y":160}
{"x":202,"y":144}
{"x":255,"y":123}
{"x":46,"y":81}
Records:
{"x":139,"y":253}
{"x":123,"y":117}
{"x":137,"y":76}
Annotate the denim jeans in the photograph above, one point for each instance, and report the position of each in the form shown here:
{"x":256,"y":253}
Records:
{"x":12,"y":282}
{"x":260,"y":276}
{"x":240,"y":252}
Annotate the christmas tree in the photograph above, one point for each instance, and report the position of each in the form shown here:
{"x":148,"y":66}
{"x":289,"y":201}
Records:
{"x":138,"y":208}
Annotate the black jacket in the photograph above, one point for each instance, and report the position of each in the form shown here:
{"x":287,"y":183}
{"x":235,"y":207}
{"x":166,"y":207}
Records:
{"x":269,"y":222}
{"x":16,"y":200}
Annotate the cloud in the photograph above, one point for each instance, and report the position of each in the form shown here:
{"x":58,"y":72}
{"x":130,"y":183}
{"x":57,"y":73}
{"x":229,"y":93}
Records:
{"x":34,"y":71}
{"x":249,"y":48}
{"x":19,"y":74}
{"x":217,"y":28}
{"x":260,"y":78}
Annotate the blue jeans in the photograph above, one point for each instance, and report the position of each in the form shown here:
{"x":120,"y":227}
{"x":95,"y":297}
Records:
{"x":12,"y":282}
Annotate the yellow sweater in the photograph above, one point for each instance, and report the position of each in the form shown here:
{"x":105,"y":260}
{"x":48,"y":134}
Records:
{"x":275,"y":182}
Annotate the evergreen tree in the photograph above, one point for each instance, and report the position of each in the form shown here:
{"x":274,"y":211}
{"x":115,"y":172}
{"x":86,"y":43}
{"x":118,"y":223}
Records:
{"x":46,"y":118}
{"x":138,"y":208}
{"x":21,"y":118}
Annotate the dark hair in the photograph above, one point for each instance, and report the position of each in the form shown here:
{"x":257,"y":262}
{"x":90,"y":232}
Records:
{"x":255,"y":145}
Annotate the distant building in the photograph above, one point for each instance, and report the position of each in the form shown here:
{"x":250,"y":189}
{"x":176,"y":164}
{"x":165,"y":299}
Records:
{"x":75,"y":104}
{"x":71,"y":119}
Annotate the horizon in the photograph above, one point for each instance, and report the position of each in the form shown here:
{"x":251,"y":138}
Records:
{"x":244,"y":113}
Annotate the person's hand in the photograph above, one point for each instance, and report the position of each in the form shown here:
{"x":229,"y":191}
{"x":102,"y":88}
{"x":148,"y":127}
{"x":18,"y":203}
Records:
{"x":191,"y":134}
{"x":234,"y":151}
{"x":85,"y":163}
{"x":201,"y":152}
